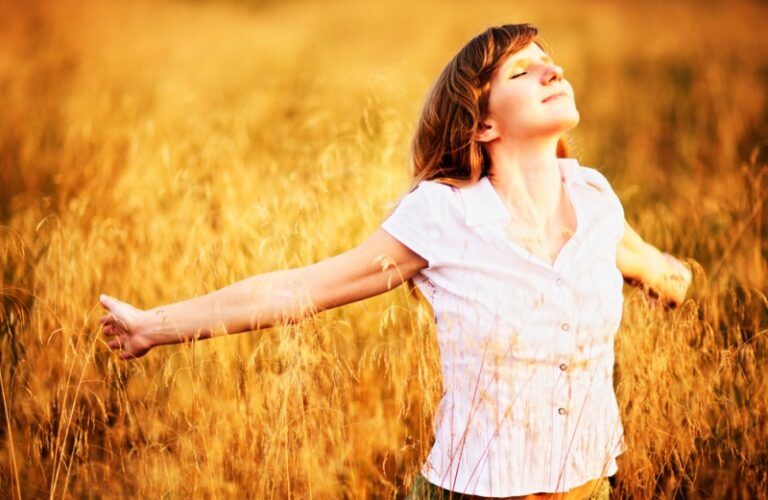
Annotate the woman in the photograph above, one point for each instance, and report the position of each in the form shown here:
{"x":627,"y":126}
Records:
{"x":521,"y":252}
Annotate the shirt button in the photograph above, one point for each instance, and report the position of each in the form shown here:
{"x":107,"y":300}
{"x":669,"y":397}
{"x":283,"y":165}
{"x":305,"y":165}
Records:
{"x":559,"y":281}
{"x":563,"y":366}
{"x":561,"y":411}
{"x":564,"y":327}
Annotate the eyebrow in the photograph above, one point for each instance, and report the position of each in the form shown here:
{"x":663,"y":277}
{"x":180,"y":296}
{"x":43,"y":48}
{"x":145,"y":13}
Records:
{"x":543,"y":58}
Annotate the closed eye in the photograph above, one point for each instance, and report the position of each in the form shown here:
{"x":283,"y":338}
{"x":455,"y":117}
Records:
{"x":521,"y":74}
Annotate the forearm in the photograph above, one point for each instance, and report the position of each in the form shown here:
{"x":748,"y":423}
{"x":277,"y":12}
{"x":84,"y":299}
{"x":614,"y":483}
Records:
{"x":634,"y":255}
{"x":257,"y":302}
{"x":659,"y":272}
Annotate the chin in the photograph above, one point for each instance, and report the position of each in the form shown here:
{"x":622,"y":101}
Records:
{"x":569,"y":124}
{"x":554,"y":125}
{"x":567,"y":121}
{"x":560,"y":126}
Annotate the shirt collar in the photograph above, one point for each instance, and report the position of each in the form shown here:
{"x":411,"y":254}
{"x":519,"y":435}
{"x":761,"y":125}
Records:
{"x":482,"y":204}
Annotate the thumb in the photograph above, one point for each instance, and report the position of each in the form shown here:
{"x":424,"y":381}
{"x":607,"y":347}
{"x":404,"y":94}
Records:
{"x":108,"y":302}
{"x":113,"y":303}
{"x":119,"y":310}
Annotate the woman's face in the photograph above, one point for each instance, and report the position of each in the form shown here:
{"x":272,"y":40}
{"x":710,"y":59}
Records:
{"x":521,"y":103}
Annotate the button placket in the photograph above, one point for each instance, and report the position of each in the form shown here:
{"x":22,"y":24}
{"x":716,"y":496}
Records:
{"x":562,"y":389}
{"x":560,"y":282}
{"x":560,"y":421}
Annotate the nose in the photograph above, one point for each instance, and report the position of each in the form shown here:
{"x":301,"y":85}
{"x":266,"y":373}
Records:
{"x":552,"y":73}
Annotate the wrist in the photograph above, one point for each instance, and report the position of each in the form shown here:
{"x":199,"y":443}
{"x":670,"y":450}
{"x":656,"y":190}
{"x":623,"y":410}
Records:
{"x":153,"y":327}
{"x":163,"y":326}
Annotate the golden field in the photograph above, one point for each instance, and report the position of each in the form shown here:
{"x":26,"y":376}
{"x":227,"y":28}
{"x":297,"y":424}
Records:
{"x":157,"y":151}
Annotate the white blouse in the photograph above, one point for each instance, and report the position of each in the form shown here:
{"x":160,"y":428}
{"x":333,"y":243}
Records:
{"x":526,"y":347}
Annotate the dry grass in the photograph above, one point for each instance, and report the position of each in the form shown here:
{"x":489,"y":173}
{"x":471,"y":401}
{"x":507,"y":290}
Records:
{"x":158,"y":150}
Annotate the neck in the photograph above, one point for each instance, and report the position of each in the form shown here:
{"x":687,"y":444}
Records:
{"x":527,"y":178}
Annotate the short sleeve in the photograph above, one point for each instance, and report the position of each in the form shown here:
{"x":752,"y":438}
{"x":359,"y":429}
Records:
{"x":414,"y":223}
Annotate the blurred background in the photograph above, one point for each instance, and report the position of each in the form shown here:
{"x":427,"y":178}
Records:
{"x":159,"y":150}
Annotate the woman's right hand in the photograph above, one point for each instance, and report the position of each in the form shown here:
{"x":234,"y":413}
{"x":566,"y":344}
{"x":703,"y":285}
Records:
{"x":124,"y":323}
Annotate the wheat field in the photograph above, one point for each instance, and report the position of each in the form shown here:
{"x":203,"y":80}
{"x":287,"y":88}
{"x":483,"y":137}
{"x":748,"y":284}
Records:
{"x":159,"y":150}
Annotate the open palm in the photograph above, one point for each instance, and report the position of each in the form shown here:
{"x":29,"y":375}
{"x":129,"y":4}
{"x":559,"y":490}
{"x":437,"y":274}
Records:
{"x":123,"y":322}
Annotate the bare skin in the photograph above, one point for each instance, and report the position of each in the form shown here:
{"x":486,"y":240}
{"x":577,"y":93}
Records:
{"x":530,"y":106}
{"x":287,"y":296}
{"x":265,"y":300}
{"x":520,"y":134}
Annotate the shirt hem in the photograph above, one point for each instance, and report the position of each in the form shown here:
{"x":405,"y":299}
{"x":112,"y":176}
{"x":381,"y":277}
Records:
{"x":535,"y":489}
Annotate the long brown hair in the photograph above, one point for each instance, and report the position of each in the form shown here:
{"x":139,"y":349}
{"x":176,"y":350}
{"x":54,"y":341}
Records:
{"x":444,"y":147}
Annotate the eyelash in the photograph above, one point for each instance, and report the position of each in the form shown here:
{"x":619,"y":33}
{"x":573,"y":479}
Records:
{"x":520,"y":74}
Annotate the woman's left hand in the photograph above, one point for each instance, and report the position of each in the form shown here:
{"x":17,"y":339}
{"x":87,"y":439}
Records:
{"x":670,"y":282}
{"x":124,"y":323}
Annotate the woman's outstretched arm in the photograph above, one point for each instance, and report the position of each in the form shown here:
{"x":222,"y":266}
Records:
{"x":644,"y":265}
{"x":378,"y":264}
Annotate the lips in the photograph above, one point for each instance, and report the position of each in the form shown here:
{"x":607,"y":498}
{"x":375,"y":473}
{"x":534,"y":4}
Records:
{"x":554,"y":96}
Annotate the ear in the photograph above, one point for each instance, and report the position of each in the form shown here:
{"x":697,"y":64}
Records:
{"x":488,"y":131}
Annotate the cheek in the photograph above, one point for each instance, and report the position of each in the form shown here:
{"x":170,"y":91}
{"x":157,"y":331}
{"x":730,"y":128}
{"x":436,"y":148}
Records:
{"x":511,"y":107}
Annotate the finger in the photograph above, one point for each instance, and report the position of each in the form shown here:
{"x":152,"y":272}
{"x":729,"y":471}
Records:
{"x":121,"y":324}
{"x":115,"y":307}
{"x":111,"y":330}
{"x":114,"y":344}
{"x":125,"y":355}
{"x":106,"y":301}
{"x":114,"y":321}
